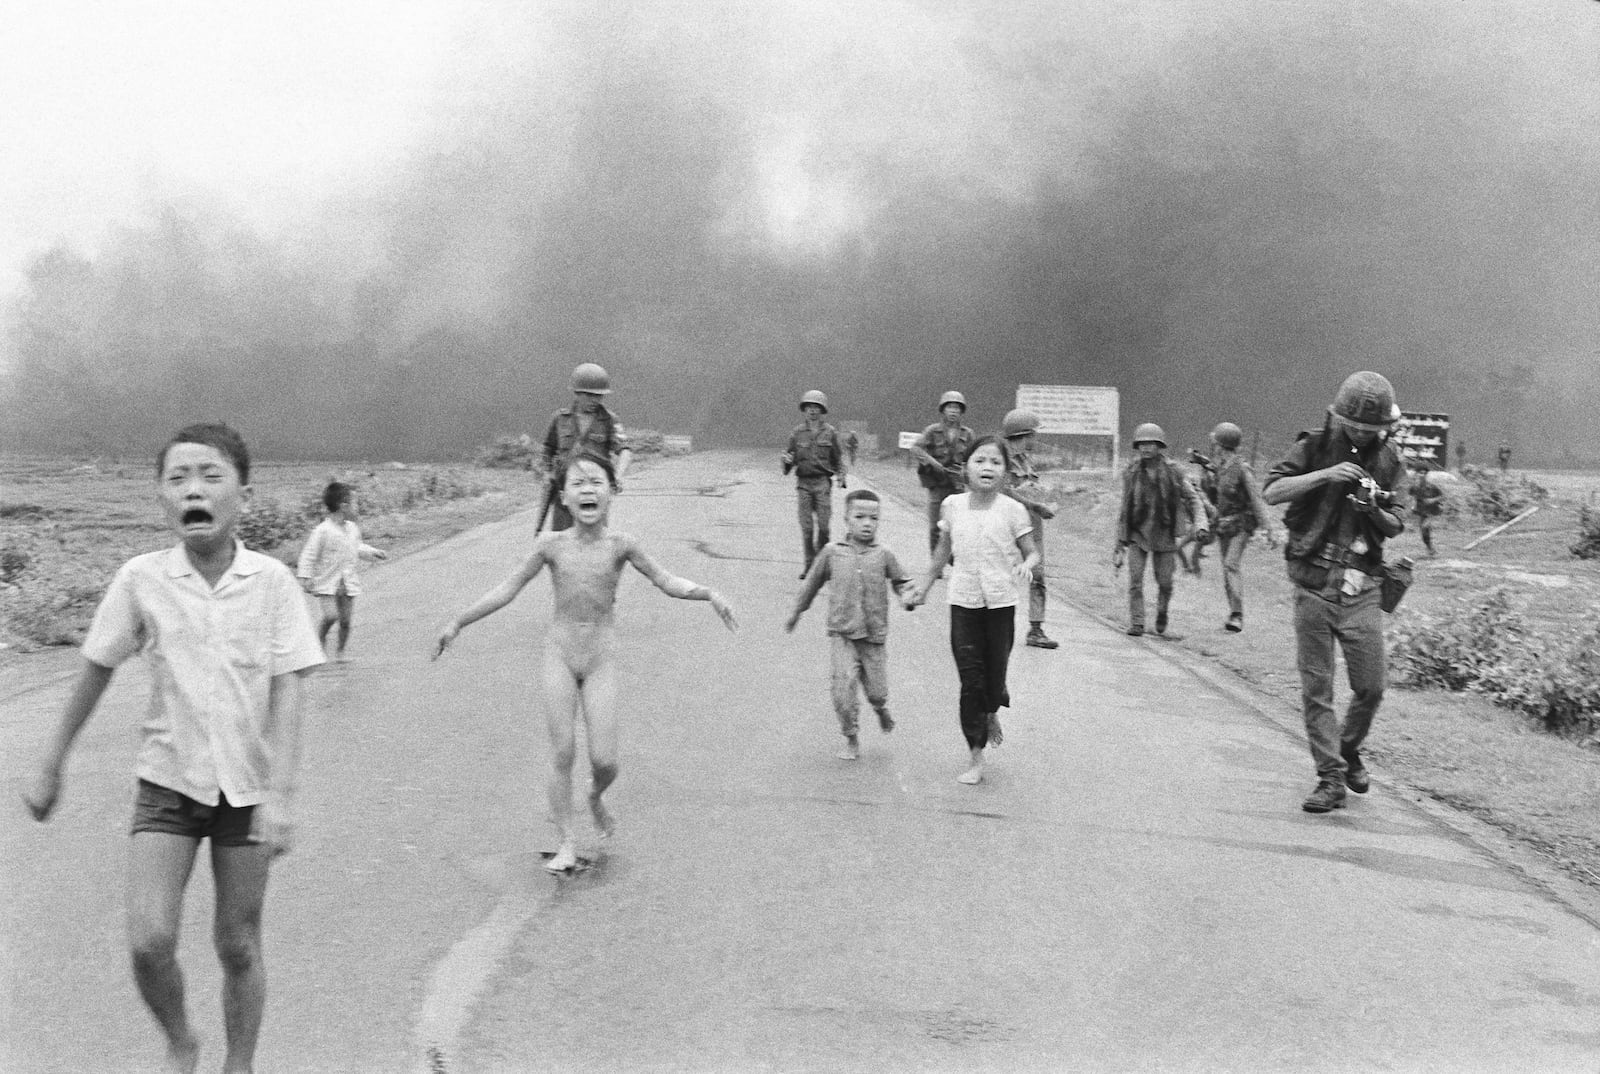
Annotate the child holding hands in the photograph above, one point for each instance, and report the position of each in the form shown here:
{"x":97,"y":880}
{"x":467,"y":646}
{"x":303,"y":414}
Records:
{"x":859,"y":573}
{"x":991,"y":539}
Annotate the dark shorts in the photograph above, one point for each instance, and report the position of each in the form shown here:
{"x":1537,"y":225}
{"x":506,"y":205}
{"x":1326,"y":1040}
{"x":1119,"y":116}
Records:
{"x":160,"y":809}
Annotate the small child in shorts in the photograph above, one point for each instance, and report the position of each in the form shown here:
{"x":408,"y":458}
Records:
{"x":585,"y":564}
{"x":860,"y":573}
{"x":330,"y":561}
{"x":228,"y":641}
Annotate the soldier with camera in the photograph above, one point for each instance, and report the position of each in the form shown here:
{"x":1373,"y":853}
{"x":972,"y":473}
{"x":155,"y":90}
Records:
{"x":1340,"y":483}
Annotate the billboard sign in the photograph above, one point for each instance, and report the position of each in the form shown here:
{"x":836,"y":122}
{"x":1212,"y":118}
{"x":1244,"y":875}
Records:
{"x":908,"y":440}
{"x":1072,"y":411}
{"x":1423,"y":440}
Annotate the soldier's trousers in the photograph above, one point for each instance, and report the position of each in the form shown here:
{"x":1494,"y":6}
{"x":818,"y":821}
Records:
{"x":1163,"y":564}
{"x":1355,"y":624}
{"x":814,"y":500}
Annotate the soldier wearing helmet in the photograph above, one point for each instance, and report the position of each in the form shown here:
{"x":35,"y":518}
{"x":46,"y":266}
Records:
{"x":1019,"y":428}
{"x":1339,"y":483}
{"x":1158,"y":503}
{"x":815,"y":457}
{"x":940,"y":452}
{"x":586,"y":427}
{"x":1236,"y":498}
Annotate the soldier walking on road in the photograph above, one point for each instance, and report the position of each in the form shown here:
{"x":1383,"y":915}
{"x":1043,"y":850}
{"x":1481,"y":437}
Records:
{"x":1427,"y":502}
{"x":1504,"y":455}
{"x":1240,"y":510}
{"x":1339,"y":486}
{"x":1156,"y":494}
{"x":586,"y":427}
{"x":815,"y":457}
{"x":1019,"y":428}
{"x":940,"y":452}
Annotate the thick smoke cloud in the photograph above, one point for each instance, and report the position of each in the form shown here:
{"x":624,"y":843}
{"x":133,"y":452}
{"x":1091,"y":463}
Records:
{"x":1221,"y":213}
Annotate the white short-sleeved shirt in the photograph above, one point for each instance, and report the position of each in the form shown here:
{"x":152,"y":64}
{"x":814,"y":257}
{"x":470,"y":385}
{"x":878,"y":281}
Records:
{"x":213,"y":653}
{"x":984,"y":543}
{"x":332,"y":556}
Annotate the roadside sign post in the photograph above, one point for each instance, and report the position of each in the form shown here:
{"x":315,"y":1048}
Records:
{"x":1423,"y":439}
{"x":1068,"y":410}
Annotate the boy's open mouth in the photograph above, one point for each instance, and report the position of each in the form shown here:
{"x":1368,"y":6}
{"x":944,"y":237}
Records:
{"x":588,"y":501}
{"x":196,"y":516}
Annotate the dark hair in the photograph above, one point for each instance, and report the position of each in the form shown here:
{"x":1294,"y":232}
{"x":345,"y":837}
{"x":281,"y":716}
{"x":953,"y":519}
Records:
{"x":336,"y":495}
{"x":211,"y":434}
{"x":598,"y":460}
{"x":999,"y":442}
{"x":860,"y":494}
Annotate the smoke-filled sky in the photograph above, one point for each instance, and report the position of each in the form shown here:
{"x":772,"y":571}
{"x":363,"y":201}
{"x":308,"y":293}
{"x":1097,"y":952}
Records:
{"x":1220,"y":208}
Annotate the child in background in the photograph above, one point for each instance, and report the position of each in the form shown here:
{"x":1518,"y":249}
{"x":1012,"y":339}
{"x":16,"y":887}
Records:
{"x":330,"y":560}
{"x":859,"y":573}
{"x":585,"y":564}
{"x":991,"y":539}
{"x":228,"y":639}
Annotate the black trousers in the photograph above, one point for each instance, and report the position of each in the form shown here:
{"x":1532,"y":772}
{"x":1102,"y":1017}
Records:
{"x":981,"y":639}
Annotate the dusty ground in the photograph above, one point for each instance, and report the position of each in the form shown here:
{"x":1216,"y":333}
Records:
{"x":1460,"y":749}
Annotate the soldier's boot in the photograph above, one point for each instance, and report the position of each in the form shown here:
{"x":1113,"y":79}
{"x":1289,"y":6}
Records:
{"x":1036,"y":638}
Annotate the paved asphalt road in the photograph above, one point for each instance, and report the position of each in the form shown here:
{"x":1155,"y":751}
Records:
{"x":1134,"y":888}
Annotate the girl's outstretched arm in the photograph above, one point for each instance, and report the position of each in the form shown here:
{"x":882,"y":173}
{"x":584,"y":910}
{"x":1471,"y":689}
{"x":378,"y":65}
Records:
{"x":681,"y":588}
{"x":495,"y":599}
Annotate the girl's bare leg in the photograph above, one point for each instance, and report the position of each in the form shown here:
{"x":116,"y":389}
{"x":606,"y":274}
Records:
{"x":561,"y":713}
{"x":158,"y":870}
{"x":975,"y":773}
{"x":241,"y":881}
{"x":600,"y":720}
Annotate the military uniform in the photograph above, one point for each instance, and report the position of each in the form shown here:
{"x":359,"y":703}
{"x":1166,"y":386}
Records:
{"x":815,"y":458}
{"x":950,"y":449}
{"x":573,"y":435}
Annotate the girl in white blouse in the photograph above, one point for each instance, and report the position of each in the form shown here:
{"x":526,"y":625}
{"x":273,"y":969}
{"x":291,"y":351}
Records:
{"x":990,"y":538}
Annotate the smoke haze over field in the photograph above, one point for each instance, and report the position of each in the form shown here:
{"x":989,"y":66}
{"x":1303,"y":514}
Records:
{"x":1221,"y":210}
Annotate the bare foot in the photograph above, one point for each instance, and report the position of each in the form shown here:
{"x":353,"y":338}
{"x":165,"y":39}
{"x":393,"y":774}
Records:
{"x":183,"y":1056}
{"x":850,"y":751}
{"x":972,"y":775}
{"x":564,"y":859}
{"x":885,"y":721}
{"x":604,"y":822}
{"x":996,"y":736}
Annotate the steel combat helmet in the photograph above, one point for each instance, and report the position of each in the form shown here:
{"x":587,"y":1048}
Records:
{"x":591,"y":378}
{"x":1149,"y":433}
{"x":1227,"y":435}
{"x":1365,"y":401}
{"x":1019,"y":422}
{"x":814,"y":396}
{"x":952,"y":397}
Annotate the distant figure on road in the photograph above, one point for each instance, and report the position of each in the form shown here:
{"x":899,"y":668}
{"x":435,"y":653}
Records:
{"x":858,"y":572}
{"x":330,"y":561}
{"x":940,"y":452}
{"x":586,"y":563}
{"x":1157,"y":500}
{"x":228,"y":639}
{"x":1240,"y":510}
{"x":1427,"y":503}
{"x":990,"y":537}
{"x":1019,"y":427}
{"x":814,"y":456}
{"x":852,"y":444}
{"x":1461,"y":455}
{"x":586,"y":427}
{"x":1504,"y":455}
{"x":1339,"y":484}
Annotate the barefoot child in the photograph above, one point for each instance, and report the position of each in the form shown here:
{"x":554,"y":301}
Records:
{"x":859,"y":573}
{"x":228,"y":640}
{"x":330,"y":560}
{"x":991,"y":539}
{"x":585,"y":564}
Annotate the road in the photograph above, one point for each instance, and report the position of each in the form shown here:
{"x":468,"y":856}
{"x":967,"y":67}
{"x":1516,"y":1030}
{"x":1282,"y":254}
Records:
{"x":1134,"y":888}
